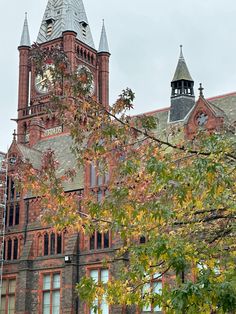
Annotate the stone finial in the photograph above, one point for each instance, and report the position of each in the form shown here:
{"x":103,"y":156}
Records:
{"x":14,"y":135}
{"x":181,"y":56}
{"x":201,"y":89}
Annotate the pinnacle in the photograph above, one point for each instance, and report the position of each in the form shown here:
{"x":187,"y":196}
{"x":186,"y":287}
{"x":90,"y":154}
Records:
{"x":182,"y":72}
{"x":103,"y":45}
{"x":25,"y":37}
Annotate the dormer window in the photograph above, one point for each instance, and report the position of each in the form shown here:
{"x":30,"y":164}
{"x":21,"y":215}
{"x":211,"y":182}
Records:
{"x":84,"y":26}
{"x":49,"y":26}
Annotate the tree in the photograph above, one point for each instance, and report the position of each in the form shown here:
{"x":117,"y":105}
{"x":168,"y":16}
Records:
{"x":177,"y":196}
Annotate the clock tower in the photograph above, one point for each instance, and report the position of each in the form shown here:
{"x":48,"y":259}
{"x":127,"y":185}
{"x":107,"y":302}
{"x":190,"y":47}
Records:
{"x":64,"y":25}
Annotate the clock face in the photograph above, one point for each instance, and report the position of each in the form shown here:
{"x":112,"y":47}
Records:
{"x":85,"y":74}
{"x":202,"y":118}
{"x":44,"y":80}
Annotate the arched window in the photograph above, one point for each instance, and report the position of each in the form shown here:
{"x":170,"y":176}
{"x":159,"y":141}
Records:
{"x":17,"y":214}
{"x":92,"y":241}
{"x":46,"y":244}
{"x":12,"y":191}
{"x":59,"y":244}
{"x":9,"y":249}
{"x":52,"y":244}
{"x":142,"y":240}
{"x":15,"y":249}
{"x":11,"y":214}
{"x":100,"y":240}
{"x":89,"y":58}
{"x":106,"y":240}
{"x":92,"y":175}
{"x":4,"y":250}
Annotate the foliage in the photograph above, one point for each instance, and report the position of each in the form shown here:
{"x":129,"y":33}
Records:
{"x":179,"y":195}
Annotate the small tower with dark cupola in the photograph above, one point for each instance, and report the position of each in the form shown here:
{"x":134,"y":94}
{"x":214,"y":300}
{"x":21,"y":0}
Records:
{"x":182,"y":92}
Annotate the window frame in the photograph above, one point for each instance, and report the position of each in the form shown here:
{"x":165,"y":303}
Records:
{"x":99,"y":269}
{"x":47,"y":249}
{"x":13,"y":204}
{"x":51,"y":290}
{"x":7,"y":295}
{"x":151,"y":284}
{"x":95,"y":235}
{"x":98,"y":181}
{"x":12,"y":248}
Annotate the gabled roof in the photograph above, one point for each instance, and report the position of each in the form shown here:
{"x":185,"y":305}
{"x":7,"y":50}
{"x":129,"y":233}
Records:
{"x":182,"y":72}
{"x":56,"y":14}
{"x":103,"y":45}
{"x":25,"y":37}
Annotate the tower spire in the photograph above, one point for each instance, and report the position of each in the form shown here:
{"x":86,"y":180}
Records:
{"x":25,"y":37}
{"x":182,"y":95}
{"x":69,"y":22}
{"x":103,"y":45}
{"x":56,"y":21}
{"x":182,"y":72}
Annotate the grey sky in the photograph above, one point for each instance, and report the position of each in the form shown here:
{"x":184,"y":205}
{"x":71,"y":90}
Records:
{"x":144,"y":38}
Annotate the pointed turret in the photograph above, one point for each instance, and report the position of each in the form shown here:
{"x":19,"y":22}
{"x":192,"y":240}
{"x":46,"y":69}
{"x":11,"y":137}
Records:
{"x":24,"y":70}
{"x":25,"y":37}
{"x":182,"y":72}
{"x":61,"y":15}
{"x":182,"y":95}
{"x":103,"y":45}
{"x":103,"y":68}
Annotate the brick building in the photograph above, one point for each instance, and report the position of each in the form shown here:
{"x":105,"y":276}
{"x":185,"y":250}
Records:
{"x":2,"y":184}
{"x":41,"y":267}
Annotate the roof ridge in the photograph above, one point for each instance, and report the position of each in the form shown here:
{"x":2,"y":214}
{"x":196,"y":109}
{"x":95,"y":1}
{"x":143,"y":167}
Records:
{"x":221,"y":96}
{"x":151,"y":112}
{"x":29,"y":148}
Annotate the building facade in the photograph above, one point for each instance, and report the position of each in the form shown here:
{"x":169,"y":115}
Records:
{"x":41,"y":266}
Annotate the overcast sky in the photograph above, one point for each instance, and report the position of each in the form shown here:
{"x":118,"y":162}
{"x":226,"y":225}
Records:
{"x":144,"y":38}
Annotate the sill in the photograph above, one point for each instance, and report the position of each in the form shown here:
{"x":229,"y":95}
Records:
{"x":12,"y":261}
{"x":55,"y":256}
{"x":97,"y":251}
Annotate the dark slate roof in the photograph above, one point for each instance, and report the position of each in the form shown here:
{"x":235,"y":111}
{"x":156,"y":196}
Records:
{"x":31,"y":155}
{"x":180,"y":107}
{"x":227,"y":103}
{"x":222,"y":106}
{"x":61,"y":145}
{"x":182,"y":72}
